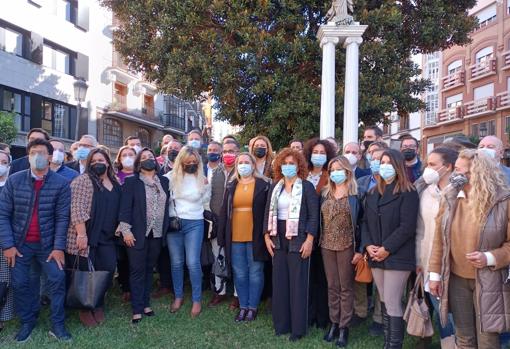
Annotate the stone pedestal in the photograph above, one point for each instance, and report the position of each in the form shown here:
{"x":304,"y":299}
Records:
{"x":350,"y":36}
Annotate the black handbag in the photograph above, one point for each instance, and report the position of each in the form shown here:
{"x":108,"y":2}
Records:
{"x":220,"y":267}
{"x":87,"y":287}
{"x":206,"y":254}
{"x":175,"y":223}
{"x":210,"y":225}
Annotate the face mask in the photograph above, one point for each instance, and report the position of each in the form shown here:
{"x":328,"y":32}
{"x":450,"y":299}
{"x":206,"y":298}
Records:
{"x":98,"y":168}
{"x":338,"y":176}
{"x":148,"y":164}
{"x":386,"y":171}
{"x":260,"y":152}
{"x":38,"y":162}
{"x":172,"y":154}
{"x":81,"y":153}
{"x":58,"y":157}
{"x":409,"y":154}
{"x":318,"y":160}
{"x":128,"y":161}
{"x":369,"y":157}
{"x":3,"y":170}
{"x":367,"y":144}
{"x":488,"y":151}
{"x":137,"y":148}
{"x":374,"y":166}
{"x":353,"y":160}
{"x":244,"y":170}
{"x":191,"y":169}
{"x":289,"y":171}
{"x":229,"y":159}
{"x":431,"y":176}
{"x":458,"y":180}
{"x":213,"y":157}
{"x":195,"y":143}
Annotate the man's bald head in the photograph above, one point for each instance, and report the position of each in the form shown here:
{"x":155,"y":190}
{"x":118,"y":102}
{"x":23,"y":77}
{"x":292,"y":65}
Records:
{"x":492,"y":142}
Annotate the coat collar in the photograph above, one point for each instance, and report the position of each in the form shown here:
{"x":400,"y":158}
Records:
{"x":388,"y":195}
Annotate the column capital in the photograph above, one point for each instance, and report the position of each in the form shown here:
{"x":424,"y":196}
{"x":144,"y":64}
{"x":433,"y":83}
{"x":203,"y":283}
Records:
{"x":353,"y":40}
{"x":329,"y":39}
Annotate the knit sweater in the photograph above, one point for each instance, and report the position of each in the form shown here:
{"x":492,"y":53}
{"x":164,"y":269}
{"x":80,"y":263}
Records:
{"x":190,"y":198}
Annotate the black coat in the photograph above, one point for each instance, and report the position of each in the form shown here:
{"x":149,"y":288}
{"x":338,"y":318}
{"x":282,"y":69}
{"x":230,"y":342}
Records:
{"x":260,"y":197}
{"x":133,"y":208}
{"x":309,"y":217}
{"x":75,"y":165}
{"x":19,"y":165}
{"x":390,"y":221}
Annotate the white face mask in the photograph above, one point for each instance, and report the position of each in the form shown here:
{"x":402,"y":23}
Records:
{"x":430,"y":176}
{"x":489,"y":152}
{"x":57,"y":157}
{"x":128,"y":161}
{"x":353,"y":160}
{"x":4,"y":169}
{"x":137,"y":148}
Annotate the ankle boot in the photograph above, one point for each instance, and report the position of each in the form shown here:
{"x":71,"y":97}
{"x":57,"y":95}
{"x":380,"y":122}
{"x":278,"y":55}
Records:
{"x":386,"y":324}
{"x":343,"y":337}
{"x":396,"y":334}
{"x":332,"y":333}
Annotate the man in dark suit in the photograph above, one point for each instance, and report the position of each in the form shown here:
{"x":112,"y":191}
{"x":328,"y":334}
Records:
{"x":85,"y":145}
{"x":352,"y":152}
{"x":22,"y":163}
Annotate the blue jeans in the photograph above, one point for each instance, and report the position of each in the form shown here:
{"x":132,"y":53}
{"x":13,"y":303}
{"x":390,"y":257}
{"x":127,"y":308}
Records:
{"x":248,"y":275}
{"x":25,"y":296}
{"x":447,"y":331}
{"x":187,"y":243}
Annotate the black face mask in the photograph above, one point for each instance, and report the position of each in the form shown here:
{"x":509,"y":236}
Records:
{"x":98,"y":168}
{"x":172,"y":154}
{"x":191,"y":169}
{"x":260,"y":152}
{"x":367,"y":144}
{"x":409,"y":154}
{"x":148,"y":164}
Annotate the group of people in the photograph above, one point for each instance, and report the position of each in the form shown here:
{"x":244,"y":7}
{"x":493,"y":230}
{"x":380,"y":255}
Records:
{"x":290,"y":227}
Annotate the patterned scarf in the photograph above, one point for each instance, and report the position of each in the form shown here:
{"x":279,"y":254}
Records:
{"x":292,"y":222}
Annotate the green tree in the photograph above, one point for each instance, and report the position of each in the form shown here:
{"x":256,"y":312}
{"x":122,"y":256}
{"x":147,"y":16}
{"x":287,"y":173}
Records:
{"x":8,"y":129}
{"x":261,"y":61}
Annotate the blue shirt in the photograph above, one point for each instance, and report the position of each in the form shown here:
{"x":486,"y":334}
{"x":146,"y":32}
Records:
{"x":68,"y":173}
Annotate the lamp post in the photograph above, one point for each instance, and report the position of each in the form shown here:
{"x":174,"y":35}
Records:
{"x":80,"y":92}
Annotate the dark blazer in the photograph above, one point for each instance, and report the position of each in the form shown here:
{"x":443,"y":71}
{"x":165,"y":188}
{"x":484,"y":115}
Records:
{"x":133,"y":207}
{"x":390,"y":221}
{"x":360,"y":172}
{"x":308,"y":217}
{"x":258,"y":209}
{"x":75,"y":165}
{"x":19,"y":165}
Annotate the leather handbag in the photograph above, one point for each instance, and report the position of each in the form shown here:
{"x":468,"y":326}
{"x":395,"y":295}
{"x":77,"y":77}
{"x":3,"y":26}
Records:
{"x":363,"y":271}
{"x":174,"y":223}
{"x":417,"y":315}
{"x":87,"y":288}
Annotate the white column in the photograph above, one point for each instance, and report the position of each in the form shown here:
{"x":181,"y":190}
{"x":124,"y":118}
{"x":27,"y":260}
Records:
{"x":327,"y":123}
{"x":350,"y":128}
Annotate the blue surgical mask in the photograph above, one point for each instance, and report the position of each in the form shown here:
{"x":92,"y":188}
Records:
{"x":195,"y":143}
{"x":81,"y":153}
{"x":374,"y":165}
{"x":213,"y":157}
{"x":289,"y":171}
{"x":38,"y":162}
{"x":338,"y":176}
{"x":245,"y":170}
{"x":386,"y":171}
{"x":318,"y":160}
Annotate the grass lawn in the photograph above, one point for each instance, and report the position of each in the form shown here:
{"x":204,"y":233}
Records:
{"x":214,"y":328}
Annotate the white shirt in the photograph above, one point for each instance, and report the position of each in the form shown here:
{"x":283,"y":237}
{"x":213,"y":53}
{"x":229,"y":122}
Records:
{"x":190,"y":198}
{"x":82,"y":168}
{"x":283,"y":205}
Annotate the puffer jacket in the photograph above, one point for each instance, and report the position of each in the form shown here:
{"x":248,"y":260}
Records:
{"x":492,"y":293}
{"x":16,"y":205}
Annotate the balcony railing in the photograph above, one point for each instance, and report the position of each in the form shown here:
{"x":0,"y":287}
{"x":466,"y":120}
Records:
{"x":173,"y":121}
{"x":454,"y":80}
{"x":503,"y":100}
{"x":506,"y":59}
{"x":479,"y":106}
{"x":473,"y":108}
{"x":449,"y":114}
{"x":483,"y":68}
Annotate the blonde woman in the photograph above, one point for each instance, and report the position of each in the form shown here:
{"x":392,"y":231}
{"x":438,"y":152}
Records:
{"x":241,"y":232}
{"x":340,"y":245}
{"x":471,"y":252}
{"x":262,"y":150}
{"x":190,"y":194}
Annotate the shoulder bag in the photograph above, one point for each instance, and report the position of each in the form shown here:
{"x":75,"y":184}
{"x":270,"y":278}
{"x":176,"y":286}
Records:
{"x":417,"y":313}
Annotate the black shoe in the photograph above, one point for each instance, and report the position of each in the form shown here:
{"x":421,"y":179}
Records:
{"x":294,"y":338}
{"x":60,"y":333}
{"x":356,"y":320}
{"x":376,"y":329}
{"x":396,"y":332}
{"x":24,"y":333}
{"x":45,"y":300}
{"x":343,"y":336}
{"x":150,"y":313}
{"x":332,"y":333}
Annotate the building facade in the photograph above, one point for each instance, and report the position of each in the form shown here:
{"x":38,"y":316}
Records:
{"x":475,"y":80}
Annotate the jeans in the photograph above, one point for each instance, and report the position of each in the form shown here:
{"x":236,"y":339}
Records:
{"x":447,"y":331}
{"x":25,"y":296}
{"x":248,"y":275}
{"x":187,"y":243}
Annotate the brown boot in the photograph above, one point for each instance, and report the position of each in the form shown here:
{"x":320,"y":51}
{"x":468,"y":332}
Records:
{"x":234,"y":304}
{"x":99,"y":315}
{"x":176,"y":305}
{"x":217,"y":300}
{"x":87,"y":318}
{"x":126,"y":297}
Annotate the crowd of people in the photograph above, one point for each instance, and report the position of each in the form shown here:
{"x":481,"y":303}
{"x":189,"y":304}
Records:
{"x":289,"y":228}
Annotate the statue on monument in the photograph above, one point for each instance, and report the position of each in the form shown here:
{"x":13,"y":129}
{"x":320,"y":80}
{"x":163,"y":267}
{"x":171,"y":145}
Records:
{"x":339,"y":12}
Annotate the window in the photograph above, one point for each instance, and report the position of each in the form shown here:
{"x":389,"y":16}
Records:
{"x":148,"y":105}
{"x":58,"y":119}
{"x":432,"y":72}
{"x":483,"y":129}
{"x":484,"y":54}
{"x":112,"y":133}
{"x":454,"y":101}
{"x":507,"y":124}
{"x":483,"y":92}
{"x":432,"y":105}
{"x":404,"y":122}
{"x":486,"y":16}
{"x":454,"y":67}
{"x":145,"y":137}
{"x":11,"y":41}
{"x":119,"y":96}
{"x":474,"y":130}
{"x":56,"y":59}
{"x":19,"y":104}
{"x":61,"y":121}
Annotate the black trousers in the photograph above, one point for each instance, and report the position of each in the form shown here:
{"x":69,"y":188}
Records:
{"x":318,"y":310}
{"x":123,"y":268}
{"x":290,"y":289}
{"x":141,"y":264}
{"x":165,"y":273}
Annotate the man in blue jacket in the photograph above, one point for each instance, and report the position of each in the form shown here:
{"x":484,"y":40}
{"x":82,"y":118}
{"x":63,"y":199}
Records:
{"x":34,"y":217}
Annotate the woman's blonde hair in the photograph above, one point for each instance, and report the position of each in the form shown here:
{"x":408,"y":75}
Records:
{"x":256,"y":173}
{"x":177,"y":173}
{"x":269,"y":152}
{"x":486,"y":180}
{"x":329,"y":189}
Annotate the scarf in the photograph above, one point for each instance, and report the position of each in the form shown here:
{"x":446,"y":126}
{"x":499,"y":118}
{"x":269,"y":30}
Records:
{"x":292,"y":222}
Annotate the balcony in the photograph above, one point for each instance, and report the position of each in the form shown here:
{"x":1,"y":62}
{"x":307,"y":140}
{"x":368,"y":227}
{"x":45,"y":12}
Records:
{"x":119,"y":102}
{"x":454,"y":80}
{"x":483,"y":69}
{"x":503,"y":100}
{"x":506,"y":60}
{"x":173,"y":121}
{"x":479,"y":107}
{"x":450,"y":114}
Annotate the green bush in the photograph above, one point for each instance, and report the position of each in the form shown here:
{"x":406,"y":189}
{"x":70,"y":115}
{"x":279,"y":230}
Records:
{"x":8,"y":130}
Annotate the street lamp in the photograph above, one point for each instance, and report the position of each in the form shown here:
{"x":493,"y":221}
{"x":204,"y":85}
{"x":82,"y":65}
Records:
{"x":80,"y":92}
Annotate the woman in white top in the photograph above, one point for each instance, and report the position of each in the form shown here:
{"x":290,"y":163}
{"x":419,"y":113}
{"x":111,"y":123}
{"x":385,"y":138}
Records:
{"x":190,"y":194}
{"x":440,"y":164}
